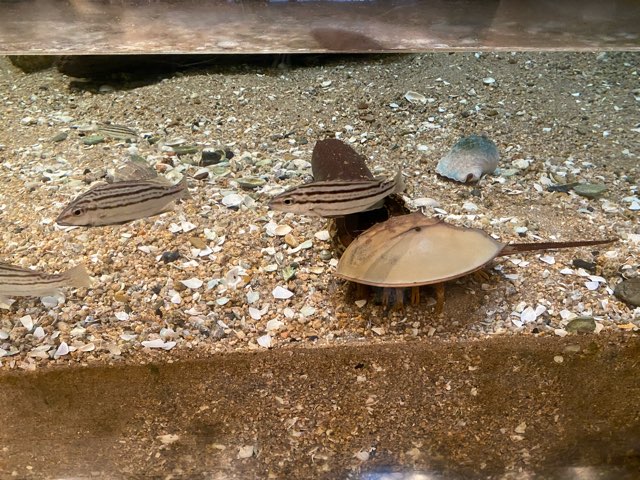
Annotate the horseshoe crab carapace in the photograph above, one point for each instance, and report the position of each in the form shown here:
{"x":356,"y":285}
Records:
{"x":414,"y":250}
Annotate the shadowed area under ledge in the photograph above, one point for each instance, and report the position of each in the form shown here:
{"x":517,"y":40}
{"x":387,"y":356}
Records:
{"x":550,"y":407}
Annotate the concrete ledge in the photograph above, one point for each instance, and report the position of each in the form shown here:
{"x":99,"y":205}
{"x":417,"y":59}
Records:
{"x":546,"y":407}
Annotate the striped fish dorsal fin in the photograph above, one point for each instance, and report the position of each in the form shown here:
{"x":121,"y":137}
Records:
{"x":134,"y":170}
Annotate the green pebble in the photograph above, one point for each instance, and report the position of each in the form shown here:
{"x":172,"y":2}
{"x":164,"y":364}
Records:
{"x":60,"y":137}
{"x":288,"y":273}
{"x":629,"y":291}
{"x":93,"y":139}
{"x":590,"y":190}
{"x":250,"y":183}
{"x":581,"y":325}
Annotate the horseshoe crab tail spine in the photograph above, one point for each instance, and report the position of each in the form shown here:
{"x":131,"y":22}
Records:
{"x":532,"y":247}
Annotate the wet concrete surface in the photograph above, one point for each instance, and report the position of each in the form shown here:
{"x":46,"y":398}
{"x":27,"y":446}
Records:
{"x":497,"y":408}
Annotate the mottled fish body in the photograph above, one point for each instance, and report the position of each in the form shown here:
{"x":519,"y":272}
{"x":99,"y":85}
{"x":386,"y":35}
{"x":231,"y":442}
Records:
{"x":121,"y":202}
{"x":23,"y":282}
{"x":337,"y":198}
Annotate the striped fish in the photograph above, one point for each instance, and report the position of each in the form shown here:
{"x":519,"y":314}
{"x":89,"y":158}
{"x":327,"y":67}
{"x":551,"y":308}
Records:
{"x":336,"y":198}
{"x":122,"y":202}
{"x":119,"y":132}
{"x":22,"y":282}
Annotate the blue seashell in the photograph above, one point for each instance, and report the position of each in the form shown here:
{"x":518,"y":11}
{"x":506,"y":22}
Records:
{"x":469,"y":159}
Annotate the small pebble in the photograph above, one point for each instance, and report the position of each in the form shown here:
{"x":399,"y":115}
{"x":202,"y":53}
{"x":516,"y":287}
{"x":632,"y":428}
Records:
{"x":590,"y":190}
{"x":168,"y":257}
{"x":581,"y":325}
{"x":629,"y":291}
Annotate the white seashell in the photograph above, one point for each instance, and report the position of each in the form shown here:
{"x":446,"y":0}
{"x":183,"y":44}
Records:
{"x":232,"y":200}
{"x":281,"y":293}
{"x":548,"y":259}
{"x":596,"y":278}
{"x":39,"y":333}
{"x":255,"y":313}
{"x":89,"y":347}
{"x":361,"y":303}
{"x":470,"y":207}
{"x":530,"y":315}
{"x":307,"y":311}
{"x":415,"y":97}
{"x":567,"y":271}
{"x":425,"y":202}
{"x":252,"y":296}
{"x":362,"y":455}
{"x":246,"y":451}
{"x":592,"y":285}
{"x":469,"y":159}
{"x":4,"y":334}
{"x":192,"y":283}
{"x":158,"y":343}
{"x":122,"y":316}
{"x":168,"y":439}
{"x":303,"y":246}
{"x":187,"y":226}
{"x":222,"y":301}
{"x":326,"y":83}
{"x":63,"y":349}
{"x":52,"y":301}
{"x":489,"y":81}
{"x":322,"y":235}
{"x":274,"y":325}
{"x":289,"y":313}
{"x":176,"y":299}
{"x":282,"y":230}
{"x":27,"y":322}
{"x":127,"y":337}
{"x":265,"y":341}
{"x":635,"y":206}
{"x":234,"y":277}
{"x":520,"y":230}
{"x":521,"y":163}
{"x":567,"y":315}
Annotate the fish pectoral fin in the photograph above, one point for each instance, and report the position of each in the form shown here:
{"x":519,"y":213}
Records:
{"x":5,"y":302}
{"x":78,"y":276}
{"x":134,"y":170}
{"x":400,"y":185}
{"x":375,"y":206}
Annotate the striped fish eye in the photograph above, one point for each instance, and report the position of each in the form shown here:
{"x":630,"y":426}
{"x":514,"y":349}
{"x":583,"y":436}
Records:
{"x":77,"y":212}
{"x":288,"y":201}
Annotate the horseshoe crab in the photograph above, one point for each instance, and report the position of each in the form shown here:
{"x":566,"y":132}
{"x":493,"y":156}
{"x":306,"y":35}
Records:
{"x":334,"y":160}
{"x":414,"y":250}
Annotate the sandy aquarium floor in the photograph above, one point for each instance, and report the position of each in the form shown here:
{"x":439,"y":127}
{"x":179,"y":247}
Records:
{"x":556,"y":118}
